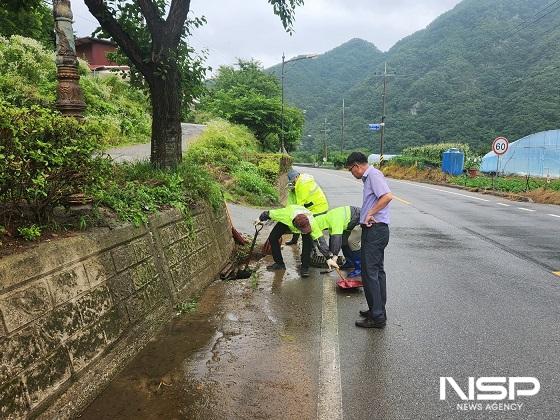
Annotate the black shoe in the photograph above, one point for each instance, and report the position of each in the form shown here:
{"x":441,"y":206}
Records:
{"x":365,"y":314}
{"x":370,"y":323}
{"x":276,"y":266}
{"x":304,"y":271}
{"x":291,"y":242}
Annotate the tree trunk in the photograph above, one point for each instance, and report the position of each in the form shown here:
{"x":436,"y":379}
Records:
{"x":166,"y":149}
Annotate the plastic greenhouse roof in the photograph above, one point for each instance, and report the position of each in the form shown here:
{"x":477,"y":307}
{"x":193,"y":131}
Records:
{"x":537,"y":154}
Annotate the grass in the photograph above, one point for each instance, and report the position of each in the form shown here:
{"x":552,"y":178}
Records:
{"x":187,"y":307}
{"x":538,"y":189}
{"x":254,"y":281}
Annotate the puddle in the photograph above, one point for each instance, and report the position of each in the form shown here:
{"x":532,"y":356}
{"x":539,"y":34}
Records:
{"x":246,"y":353}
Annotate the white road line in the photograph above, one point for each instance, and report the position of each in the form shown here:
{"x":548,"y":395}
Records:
{"x":523,"y":208}
{"x":553,"y":215}
{"x":437,"y":189}
{"x":502,"y":204}
{"x":329,"y":401}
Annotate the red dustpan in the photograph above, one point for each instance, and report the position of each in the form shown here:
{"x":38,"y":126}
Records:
{"x":347,"y":283}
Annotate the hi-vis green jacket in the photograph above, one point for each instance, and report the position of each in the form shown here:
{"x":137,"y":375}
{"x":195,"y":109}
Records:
{"x":337,"y":221}
{"x":287,"y":214}
{"x":308,"y":193}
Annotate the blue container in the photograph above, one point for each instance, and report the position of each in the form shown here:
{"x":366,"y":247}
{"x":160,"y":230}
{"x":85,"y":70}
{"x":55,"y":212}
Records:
{"x":452,"y":162}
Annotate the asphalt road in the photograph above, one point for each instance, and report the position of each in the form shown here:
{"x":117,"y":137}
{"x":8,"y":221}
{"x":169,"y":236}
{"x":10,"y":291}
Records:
{"x":471,"y":293}
{"x":142,"y":151}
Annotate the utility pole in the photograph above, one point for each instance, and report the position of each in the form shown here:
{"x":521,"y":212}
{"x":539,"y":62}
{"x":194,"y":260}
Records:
{"x":325,"y":151}
{"x":284,"y":62}
{"x":70,"y":100}
{"x":342,"y":142}
{"x":282,"y":148}
{"x":383,"y":116}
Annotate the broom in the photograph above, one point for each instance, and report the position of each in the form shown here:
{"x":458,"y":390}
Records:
{"x":237,"y":237}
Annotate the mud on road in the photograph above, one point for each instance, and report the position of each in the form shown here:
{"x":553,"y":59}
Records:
{"x":249,"y":351}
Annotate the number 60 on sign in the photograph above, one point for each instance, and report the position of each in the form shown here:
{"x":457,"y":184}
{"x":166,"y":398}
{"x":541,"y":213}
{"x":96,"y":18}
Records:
{"x":500,"y":145}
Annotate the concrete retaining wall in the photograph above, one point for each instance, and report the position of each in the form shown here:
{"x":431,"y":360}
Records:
{"x":73,"y":311}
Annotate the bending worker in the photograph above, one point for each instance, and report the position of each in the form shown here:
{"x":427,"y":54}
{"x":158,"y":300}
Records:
{"x":341,"y":223}
{"x":304,"y":191}
{"x":295,"y":219}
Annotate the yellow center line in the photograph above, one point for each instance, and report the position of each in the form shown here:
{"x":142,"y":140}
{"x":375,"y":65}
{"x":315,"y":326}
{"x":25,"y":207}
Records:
{"x":401,"y":200}
{"x":556,"y":273}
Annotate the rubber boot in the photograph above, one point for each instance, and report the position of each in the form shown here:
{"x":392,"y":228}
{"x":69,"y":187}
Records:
{"x":357,"y":265}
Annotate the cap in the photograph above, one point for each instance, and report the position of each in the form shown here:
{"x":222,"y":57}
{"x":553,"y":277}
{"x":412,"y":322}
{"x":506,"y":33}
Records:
{"x":292,"y":175}
{"x":301,"y":221}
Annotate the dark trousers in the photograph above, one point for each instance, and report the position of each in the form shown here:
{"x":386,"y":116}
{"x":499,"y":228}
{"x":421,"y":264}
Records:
{"x":374,"y":241}
{"x":276,"y":233}
{"x":346,"y":251}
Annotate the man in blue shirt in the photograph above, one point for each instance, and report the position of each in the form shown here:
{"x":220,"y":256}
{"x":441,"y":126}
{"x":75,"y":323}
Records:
{"x":374,"y":219}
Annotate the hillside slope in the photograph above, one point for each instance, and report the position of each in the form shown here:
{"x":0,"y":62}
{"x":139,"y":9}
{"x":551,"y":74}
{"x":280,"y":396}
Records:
{"x":485,"y":68}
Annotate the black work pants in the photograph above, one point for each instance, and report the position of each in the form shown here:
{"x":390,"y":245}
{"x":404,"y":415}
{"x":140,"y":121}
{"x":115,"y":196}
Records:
{"x":374,"y":241}
{"x":276,"y":233}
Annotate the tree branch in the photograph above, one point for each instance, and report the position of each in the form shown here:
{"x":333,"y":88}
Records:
{"x":102,"y":13}
{"x":150,"y":12}
{"x":176,"y":20}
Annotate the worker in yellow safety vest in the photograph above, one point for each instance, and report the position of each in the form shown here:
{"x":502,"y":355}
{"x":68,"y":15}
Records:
{"x":343,"y":224}
{"x":304,"y":191}
{"x":295,"y":219}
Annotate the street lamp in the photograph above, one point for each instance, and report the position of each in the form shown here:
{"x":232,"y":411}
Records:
{"x":284,"y":62}
{"x":69,"y":94}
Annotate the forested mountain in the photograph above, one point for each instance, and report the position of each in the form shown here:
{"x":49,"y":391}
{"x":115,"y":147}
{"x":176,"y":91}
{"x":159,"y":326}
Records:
{"x":485,"y":68}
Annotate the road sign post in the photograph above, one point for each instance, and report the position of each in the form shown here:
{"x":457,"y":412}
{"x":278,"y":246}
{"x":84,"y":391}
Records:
{"x":500,"y":145}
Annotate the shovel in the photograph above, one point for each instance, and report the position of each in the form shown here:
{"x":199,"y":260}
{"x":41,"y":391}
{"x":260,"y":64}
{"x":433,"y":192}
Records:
{"x":347,"y":283}
{"x":246,"y":273}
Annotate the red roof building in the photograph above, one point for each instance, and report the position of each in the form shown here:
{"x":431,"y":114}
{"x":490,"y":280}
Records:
{"x":94,"y":51}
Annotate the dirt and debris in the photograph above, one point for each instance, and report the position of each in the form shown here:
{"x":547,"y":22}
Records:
{"x":247,"y":352}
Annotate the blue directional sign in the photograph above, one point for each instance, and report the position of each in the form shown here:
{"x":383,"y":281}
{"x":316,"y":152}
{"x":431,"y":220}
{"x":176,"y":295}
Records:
{"x":374,"y":127}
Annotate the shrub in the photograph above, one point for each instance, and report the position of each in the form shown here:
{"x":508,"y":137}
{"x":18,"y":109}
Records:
{"x":29,"y":233}
{"x":46,"y":159}
{"x":419,"y":162}
{"x":222,"y":145}
{"x":229,"y":152}
{"x":28,"y":77}
{"x":304,"y":157}
{"x":433,"y":152}
{"x":134,"y":190}
{"x":338,"y":159}
{"x":250,"y":185}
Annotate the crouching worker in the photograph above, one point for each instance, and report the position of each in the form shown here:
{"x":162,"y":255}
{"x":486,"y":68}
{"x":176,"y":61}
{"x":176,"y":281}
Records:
{"x":295,"y":219}
{"x":343,"y":224}
{"x":304,"y":191}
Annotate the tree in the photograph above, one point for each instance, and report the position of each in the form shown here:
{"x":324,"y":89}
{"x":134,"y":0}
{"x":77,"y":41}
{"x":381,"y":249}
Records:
{"x":250,"y":96}
{"x":154,"y":49}
{"x":29,"y":18}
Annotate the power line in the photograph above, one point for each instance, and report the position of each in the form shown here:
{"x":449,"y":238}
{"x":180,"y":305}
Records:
{"x":520,"y":25}
{"x":539,"y":18}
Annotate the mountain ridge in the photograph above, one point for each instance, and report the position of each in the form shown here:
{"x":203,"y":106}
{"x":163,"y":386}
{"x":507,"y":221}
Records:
{"x":470,"y":75}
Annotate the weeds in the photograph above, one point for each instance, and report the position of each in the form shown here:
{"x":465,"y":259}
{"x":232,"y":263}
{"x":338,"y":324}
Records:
{"x":187,"y":307}
{"x":30,"y":233}
{"x":254,"y":281}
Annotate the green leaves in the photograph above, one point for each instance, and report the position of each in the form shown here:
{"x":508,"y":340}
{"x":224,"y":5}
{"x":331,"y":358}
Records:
{"x":251,"y":97}
{"x":46,"y":158}
{"x":120,"y":113}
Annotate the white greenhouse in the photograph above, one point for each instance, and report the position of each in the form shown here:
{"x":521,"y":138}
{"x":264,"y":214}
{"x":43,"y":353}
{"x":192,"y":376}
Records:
{"x":535,"y":155}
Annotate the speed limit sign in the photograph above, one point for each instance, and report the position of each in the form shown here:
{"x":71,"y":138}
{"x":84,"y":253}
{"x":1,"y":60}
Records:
{"x":500,"y":145}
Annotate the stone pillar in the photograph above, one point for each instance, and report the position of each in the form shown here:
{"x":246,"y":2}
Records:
{"x":69,"y":94}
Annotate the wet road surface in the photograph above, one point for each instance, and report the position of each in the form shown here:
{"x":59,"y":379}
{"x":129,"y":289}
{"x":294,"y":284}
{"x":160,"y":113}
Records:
{"x":471,"y":292}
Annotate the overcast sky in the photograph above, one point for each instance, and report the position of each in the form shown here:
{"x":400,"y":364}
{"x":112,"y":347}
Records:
{"x":249,"y":29}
